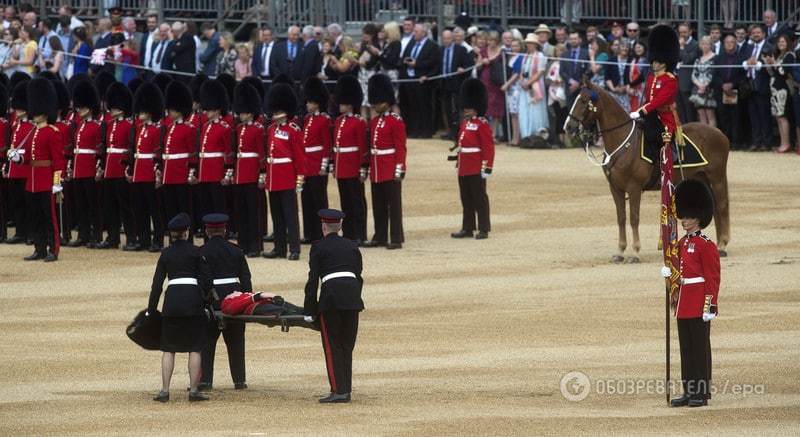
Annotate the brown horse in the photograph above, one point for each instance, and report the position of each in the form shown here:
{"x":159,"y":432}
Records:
{"x":628,"y":174}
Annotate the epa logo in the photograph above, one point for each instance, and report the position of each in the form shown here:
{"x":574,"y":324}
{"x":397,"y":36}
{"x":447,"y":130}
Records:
{"x":575,"y":386}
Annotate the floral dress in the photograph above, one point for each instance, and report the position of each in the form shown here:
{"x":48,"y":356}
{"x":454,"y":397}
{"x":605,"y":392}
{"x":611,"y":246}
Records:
{"x":226,"y":62}
{"x":703,"y":73}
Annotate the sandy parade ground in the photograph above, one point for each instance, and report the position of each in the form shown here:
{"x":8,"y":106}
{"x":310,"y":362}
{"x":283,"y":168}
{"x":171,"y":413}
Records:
{"x":458,"y":337}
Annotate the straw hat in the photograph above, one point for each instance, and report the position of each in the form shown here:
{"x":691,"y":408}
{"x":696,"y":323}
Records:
{"x":542,"y":28}
{"x":532,"y":39}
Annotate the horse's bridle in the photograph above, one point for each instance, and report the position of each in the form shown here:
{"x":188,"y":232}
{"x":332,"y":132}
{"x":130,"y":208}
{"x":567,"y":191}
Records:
{"x":585,"y":131}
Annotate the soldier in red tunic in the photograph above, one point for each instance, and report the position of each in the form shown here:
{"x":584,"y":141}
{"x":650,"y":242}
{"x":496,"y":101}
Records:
{"x":317,"y":149}
{"x":5,"y":130}
{"x":475,"y":159}
{"x":86,"y":166}
{"x":387,"y":165}
{"x":284,"y":171}
{"x":215,"y":157}
{"x":119,"y":145}
{"x":696,"y":301}
{"x":148,"y":107}
{"x":65,"y":128}
{"x":46,"y":159}
{"x":17,"y":172}
{"x":350,"y":164}
{"x":250,"y":146}
{"x":198,"y":117}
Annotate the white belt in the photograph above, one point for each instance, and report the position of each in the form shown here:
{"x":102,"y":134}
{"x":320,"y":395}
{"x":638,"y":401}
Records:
{"x":313,"y":149}
{"x":212,"y":155}
{"x":116,"y":150}
{"x":85,"y":151}
{"x":382,"y":151}
{"x":470,"y":149}
{"x":20,"y":151}
{"x":330,"y":276}
{"x":168,"y":156}
{"x":182,"y":281}
{"x":687,"y":281}
{"x":144,"y":155}
{"x":279,"y":160}
{"x":345,"y":149}
{"x":224,"y":281}
{"x":247,"y":155}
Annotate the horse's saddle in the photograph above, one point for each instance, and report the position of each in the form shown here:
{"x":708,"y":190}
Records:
{"x":686,"y":156}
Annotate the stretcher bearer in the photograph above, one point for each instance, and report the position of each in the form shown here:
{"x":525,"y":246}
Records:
{"x":317,"y":148}
{"x":336,"y":262}
{"x":215,"y":157}
{"x":180,"y":147}
{"x":696,"y":300}
{"x":119,"y":144}
{"x":148,"y":107}
{"x":350,"y":165}
{"x":17,"y":173}
{"x":65,"y":128}
{"x":5,"y":139}
{"x":46,"y":159}
{"x":86,"y":165}
{"x":475,"y":149}
{"x":248,"y":197}
{"x":230,"y":273}
{"x":387,"y":165}
{"x":284,"y":171}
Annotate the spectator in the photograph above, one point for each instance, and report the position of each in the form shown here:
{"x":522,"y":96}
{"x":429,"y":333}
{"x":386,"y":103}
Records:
{"x":348,"y":61}
{"x":335,"y":34}
{"x":81,"y":50}
{"x":146,"y":44}
{"x":183,"y":51}
{"x":408,"y":33}
{"x":29,"y":19}
{"x":7,"y":49}
{"x":45,"y":32}
{"x":632,"y":33}
{"x":55,"y":62}
{"x":689,"y":51}
{"x":103,"y":33}
{"x":543,"y":34}
{"x":703,"y":97}
{"x":774,"y":28}
{"x":557,"y":96}
{"x":572,"y":70}
{"x":782,"y":86}
{"x":129,"y":29}
{"x":158,"y":54}
{"x":616,"y":32}
{"x":455,"y":61}
{"x":459,"y":37}
{"x":127,"y":54}
{"x":191,"y":29}
{"x":319,"y":34}
{"x":390,"y":54}
{"x":489,"y":59}
{"x":243,"y":63}
{"x":561,"y":35}
{"x":9,"y":14}
{"x":227,"y":56}
{"x":591,"y":33}
{"x":533,"y":117}
{"x":598,"y":56}
{"x":264,"y":64}
{"x":308,"y":59}
{"x":741,"y":33}
{"x":727,"y":83}
{"x":64,"y":32}
{"x":421,"y":59}
{"x":72,"y":22}
{"x":513,"y":87}
{"x":210,"y":58}
{"x":368,"y":61}
{"x":506,"y":38}
{"x":326,"y":70}
{"x":758,"y":101}
{"x":26,"y":55}
{"x":715,"y":34}
{"x":615,"y":76}
{"x":636,"y":73}
{"x":286,"y":51}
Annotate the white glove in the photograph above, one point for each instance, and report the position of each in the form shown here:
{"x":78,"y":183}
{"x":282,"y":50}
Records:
{"x":486,"y":172}
{"x":399,"y":173}
{"x":57,"y":189}
{"x":308,"y":319}
{"x":707,"y":317}
{"x":323,"y":170}
{"x":192,"y":179}
{"x":666,"y":271}
{"x":635,"y":115}
{"x":363,"y":173}
{"x":14,"y":156}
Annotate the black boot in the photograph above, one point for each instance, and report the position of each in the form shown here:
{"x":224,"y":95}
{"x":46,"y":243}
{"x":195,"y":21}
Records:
{"x":481,"y":235}
{"x":196,"y":396}
{"x":36,"y":255}
{"x":462,"y":234}
{"x":335,"y":398}
{"x":50,"y":257}
{"x":162,"y":396}
{"x":681,"y":401}
{"x":272,"y":254}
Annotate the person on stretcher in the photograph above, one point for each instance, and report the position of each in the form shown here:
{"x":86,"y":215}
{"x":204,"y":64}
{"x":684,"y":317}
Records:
{"x":257,"y":304}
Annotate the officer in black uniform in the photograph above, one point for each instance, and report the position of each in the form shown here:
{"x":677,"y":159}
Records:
{"x":230,"y":272}
{"x":336,"y":262}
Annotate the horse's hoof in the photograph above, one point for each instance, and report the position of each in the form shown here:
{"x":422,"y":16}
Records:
{"x":632,"y":260}
{"x":723,"y":253}
{"x":617,"y":259}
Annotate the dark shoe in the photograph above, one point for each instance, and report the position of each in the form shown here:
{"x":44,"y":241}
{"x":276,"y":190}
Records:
{"x":34,"y":256}
{"x":64,"y":242}
{"x":107,"y":245}
{"x":154,"y":248}
{"x":240,"y":386}
{"x":335,"y":398}
{"x":294,"y":256}
{"x":91,"y":245}
{"x":305,"y":241}
{"x":269,"y":238}
{"x":394,"y":246}
{"x":77,"y":243}
{"x":272,"y":254}
{"x":697,"y":402}
{"x":196,"y":396}
{"x":203,"y":386}
{"x":373,"y":243}
{"x":481,"y":235}
{"x":16,"y":239}
{"x":29,"y":241}
{"x":2,"y":240}
{"x":162,"y":396}
{"x":462,"y":234}
{"x":132,"y":247}
{"x":681,"y":401}
{"x":50,"y":257}
{"x":254,"y":254}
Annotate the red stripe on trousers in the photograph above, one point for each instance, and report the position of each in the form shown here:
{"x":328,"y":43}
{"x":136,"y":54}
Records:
{"x":328,"y":353}
{"x":54,"y":218}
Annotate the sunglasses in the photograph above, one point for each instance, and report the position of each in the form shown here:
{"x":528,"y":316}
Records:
{"x":633,"y":30}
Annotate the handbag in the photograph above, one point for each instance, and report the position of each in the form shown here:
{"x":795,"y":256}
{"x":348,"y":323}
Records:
{"x":145,"y":330}
{"x":496,"y":72}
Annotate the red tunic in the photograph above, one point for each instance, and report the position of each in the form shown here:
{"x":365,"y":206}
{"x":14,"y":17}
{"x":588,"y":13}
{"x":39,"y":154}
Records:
{"x":388,"y":148}
{"x":250,"y":152}
{"x":4,"y":127}
{"x":21,"y":136}
{"x":659,"y":94}
{"x":350,"y":146}
{"x":699,"y":259}
{"x":179,"y":148}
{"x":476,"y":146}
{"x":238,"y":303}
{"x":88,"y":138}
{"x":148,"y":152}
{"x":46,"y":158}
{"x":215,"y":150}
{"x":197,"y":119}
{"x":316,"y":141}
{"x":65,"y":129}
{"x":118,"y":147}
{"x":284,"y":156}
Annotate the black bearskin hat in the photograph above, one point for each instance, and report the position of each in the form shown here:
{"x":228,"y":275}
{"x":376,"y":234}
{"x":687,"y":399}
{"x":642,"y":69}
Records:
{"x":473,"y":96}
{"x":80,"y":77}
{"x":47,"y":74}
{"x":134,"y":84}
{"x":41,"y":96}
{"x":63,"y":97}
{"x":3,"y":101}
{"x":380,"y":90}
{"x":19,"y":97}
{"x":257,"y":85}
{"x":246,"y":99}
{"x":162,"y":80}
{"x":283,"y":78}
{"x":214,"y":96}
{"x":102,"y":81}
{"x":348,"y":92}
{"x":282,"y":99}
{"x":315,"y":91}
{"x":119,"y":97}
{"x":17,"y":78}
{"x":229,"y":82}
{"x":148,"y":99}
{"x":178,"y":98}
{"x":693,"y":199}
{"x":663,"y":46}
{"x":194,"y":85}
{"x":84,"y":95}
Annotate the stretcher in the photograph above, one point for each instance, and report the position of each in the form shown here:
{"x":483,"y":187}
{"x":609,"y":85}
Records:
{"x":285,"y":321}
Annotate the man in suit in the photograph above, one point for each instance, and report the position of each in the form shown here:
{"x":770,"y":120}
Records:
{"x":335,"y":32}
{"x":182,"y":52}
{"x":103,"y":41}
{"x":715,"y":33}
{"x":758,"y":78}
{"x":287,"y":51}
{"x":309,"y":59}
{"x":725,"y":85}
{"x":573,"y":70}
{"x":455,"y":59}
{"x":208,"y":58}
{"x":265,"y":63}
{"x":421,"y":60}
{"x":774,"y":28}
{"x":688,"y":56}
{"x":146,"y":43}
{"x":129,"y":29}
{"x":158,"y":51}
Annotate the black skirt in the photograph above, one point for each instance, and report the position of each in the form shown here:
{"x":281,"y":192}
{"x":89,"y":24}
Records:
{"x":183,"y":334}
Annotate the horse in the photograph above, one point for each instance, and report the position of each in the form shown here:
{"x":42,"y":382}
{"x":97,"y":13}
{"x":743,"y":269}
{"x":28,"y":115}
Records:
{"x":627,"y":173}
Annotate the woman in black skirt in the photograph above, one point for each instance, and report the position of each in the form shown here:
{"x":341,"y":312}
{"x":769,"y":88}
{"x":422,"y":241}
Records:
{"x":184,"y":321}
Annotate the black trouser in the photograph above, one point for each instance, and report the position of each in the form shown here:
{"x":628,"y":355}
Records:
{"x":116,"y":209}
{"x":284,"y":220}
{"x":728,"y":118}
{"x":247,"y":207}
{"x":69,"y":210}
{"x":760,"y":119}
{"x":339,"y":329}
{"x":416,"y":105}
{"x":211,"y":196}
{"x":145,"y":209}
{"x":686,"y":110}
{"x":354,"y":206}
{"x":313,"y":198}
{"x":43,"y":221}
{"x":450,"y":107}
{"x":233,"y":334}
{"x":387,"y":208}
{"x":263,"y":212}
{"x":743,"y":122}
{"x":17,"y":208}
{"x":3,"y":209}
{"x":87,"y":210}
{"x":693,"y":335}
{"x":474,"y":200}
{"x":176,"y":199}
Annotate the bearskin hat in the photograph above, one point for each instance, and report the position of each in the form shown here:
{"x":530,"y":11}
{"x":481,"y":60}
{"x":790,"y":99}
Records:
{"x":194,"y":85}
{"x":693,"y":199}
{"x":229,"y":82}
{"x":348,"y":92}
{"x":282,"y":99}
{"x":214,"y":96}
{"x":41,"y":96}
{"x":17,"y":78}
{"x":102,"y":81}
{"x":380,"y":90}
{"x":315,"y":91}
{"x":283,"y":78}
{"x":85,"y":95}
{"x":257,"y":85}
{"x":473,"y":96}
{"x":118,"y":96}
{"x":47,"y":74}
{"x":150,"y":100}
{"x":63,"y":97}
{"x":134,"y":84}
{"x":19,"y":97}
{"x":178,"y":98}
{"x":246,"y":99}
{"x":663,"y":46}
{"x":3,"y":100}
{"x":80,"y":77}
{"x":162,"y":80}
